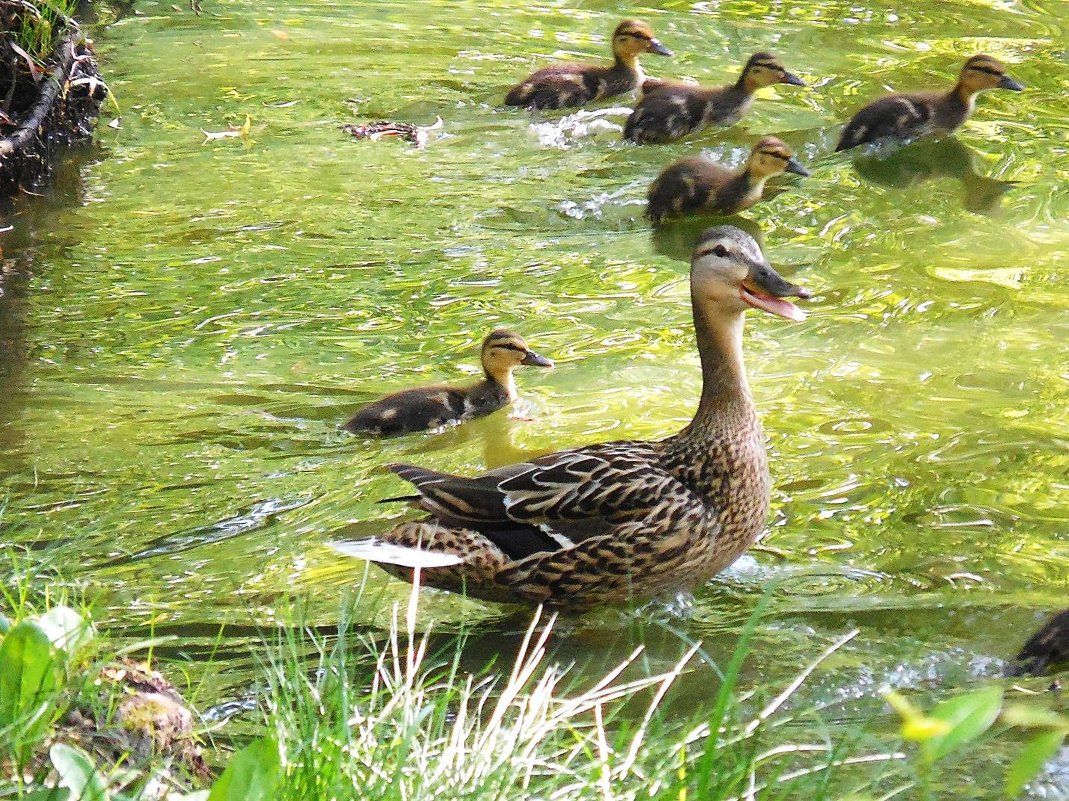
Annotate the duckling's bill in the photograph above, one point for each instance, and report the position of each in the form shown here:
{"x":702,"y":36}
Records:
{"x":533,"y":359}
{"x":795,"y":166}
{"x":659,"y":49}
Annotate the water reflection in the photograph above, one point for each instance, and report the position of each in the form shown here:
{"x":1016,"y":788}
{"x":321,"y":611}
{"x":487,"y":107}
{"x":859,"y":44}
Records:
{"x":25,"y":246}
{"x":675,"y":238}
{"x":929,"y":159}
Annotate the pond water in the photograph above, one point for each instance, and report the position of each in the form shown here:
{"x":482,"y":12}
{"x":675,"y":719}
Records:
{"x":188,"y":319}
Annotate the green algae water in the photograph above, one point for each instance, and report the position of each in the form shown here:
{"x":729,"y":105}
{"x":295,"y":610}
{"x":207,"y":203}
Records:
{"x":187,"y":320}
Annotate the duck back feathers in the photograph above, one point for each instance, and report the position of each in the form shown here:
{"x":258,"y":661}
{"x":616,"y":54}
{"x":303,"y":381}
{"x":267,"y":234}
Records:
{"x":907,"y":115}
{"x":669,"y":110}
{"x":569,"y":85}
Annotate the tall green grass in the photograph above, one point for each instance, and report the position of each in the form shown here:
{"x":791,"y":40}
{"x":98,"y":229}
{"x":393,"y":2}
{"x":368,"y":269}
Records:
{"x":36,"y":25}
{"x":394,"y":721}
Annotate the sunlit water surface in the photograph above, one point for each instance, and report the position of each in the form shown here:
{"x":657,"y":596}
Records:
{"x":186,"y":323}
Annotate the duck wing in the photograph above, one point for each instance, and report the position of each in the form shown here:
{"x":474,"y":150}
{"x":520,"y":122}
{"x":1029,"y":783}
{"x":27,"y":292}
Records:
{"x":551,"y":502}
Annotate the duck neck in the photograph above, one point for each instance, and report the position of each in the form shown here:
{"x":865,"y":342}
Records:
{"x":725,"y":390}
{"x":627,"y":63}
{"x":962,"y":98}
{"x":745,"y":86}
{"x":505,"y":381}
{"x":753,"y":180}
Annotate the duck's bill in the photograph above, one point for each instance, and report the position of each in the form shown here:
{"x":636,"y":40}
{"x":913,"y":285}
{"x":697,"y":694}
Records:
{"x":771,"y":304}
{"x":1009,"y":83}
{"x":793,"y":165}
{"x":792,"y":79}
{"x":658,"y":48}
{"x":533,"y":359}
{"x":375,"y":550}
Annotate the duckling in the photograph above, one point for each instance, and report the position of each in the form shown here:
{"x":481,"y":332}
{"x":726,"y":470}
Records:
{"x":1045,"y":650}
{"x":565,"y":85}
{"x":698,"y":184}
{"x":617,"y":521}
{"x":669,"y":110}
{"x":907,"y":115}
{"x":430,"y":407}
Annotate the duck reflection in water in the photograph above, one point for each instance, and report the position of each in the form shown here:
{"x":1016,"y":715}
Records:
{"x":929,"y":159}
{"x":676,"y":237}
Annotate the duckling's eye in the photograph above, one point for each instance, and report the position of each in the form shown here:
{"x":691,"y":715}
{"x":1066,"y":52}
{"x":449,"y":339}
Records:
{"x":720,"y":251}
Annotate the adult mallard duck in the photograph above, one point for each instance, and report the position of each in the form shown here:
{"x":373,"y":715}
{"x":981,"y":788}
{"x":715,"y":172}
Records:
{"x":908,"y":115}
{"x":697,"y":184}
{"x":619,"y":521}
{"x":430,"y":407}
{"x":669,"y":110}
{"x":564,"y":85}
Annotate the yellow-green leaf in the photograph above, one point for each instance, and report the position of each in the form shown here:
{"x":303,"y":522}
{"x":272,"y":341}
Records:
{"x":969,"y":716}
{"x":1031,"y":760}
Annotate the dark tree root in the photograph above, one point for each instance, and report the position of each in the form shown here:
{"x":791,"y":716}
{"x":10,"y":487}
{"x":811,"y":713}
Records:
{"x":63,"y":114}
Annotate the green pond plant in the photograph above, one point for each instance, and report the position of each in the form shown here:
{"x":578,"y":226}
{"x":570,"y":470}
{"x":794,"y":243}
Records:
{"x":389,"y":716}
{"x":36,"y":26}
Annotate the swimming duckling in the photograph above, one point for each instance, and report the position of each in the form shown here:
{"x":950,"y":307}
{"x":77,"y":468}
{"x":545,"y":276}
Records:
{"x":905,"y":115}
{"x":1046,"y":650}
{"x":563,"y":85}
{"x":669,"y":110}
{"x":430,"y":407}
{"x":698,"y":184}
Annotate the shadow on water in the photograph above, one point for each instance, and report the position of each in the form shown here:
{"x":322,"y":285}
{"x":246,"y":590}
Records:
{"x":931,"y":159}
{"x":676,"y":238}
{"x":24,"y":244}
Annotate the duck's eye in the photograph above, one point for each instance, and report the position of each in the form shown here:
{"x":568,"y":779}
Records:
{"x":720,"y":251}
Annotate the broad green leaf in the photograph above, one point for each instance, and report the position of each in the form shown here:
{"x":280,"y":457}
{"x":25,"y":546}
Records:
{"x":67,"y":630}
{"x":78,"y":773}
{"x":252,"y":774}
{"x":1031,"y":760}
{"x":29,"y":676}
{"x":969,"y":716}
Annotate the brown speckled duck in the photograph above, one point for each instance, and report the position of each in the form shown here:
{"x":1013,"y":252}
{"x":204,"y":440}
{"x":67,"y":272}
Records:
{"x":669,"y":110}
{"x":908,"y":115}
{"x":565,"y":85}
{"x":430,"y":407}
{"x":696,"y":184}
{"x":619,"y":521}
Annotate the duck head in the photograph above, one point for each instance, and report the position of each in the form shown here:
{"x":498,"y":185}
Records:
{"x":771,"y":157}
{"x":984,"y":72}
{"x":632,"y":38}
{"x":503,"y":351}
{"x":729,"y":274}
{"x":764,"y":69}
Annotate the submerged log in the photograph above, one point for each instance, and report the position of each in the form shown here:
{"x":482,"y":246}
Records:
{"x":68,"y":101}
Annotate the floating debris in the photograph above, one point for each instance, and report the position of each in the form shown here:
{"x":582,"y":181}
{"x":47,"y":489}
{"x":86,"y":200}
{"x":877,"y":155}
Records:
{"x":235,"y":132}
{"x":417,"y":134}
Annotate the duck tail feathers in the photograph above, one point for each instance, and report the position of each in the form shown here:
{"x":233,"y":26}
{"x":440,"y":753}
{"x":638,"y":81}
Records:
{"x":374,"y":549}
